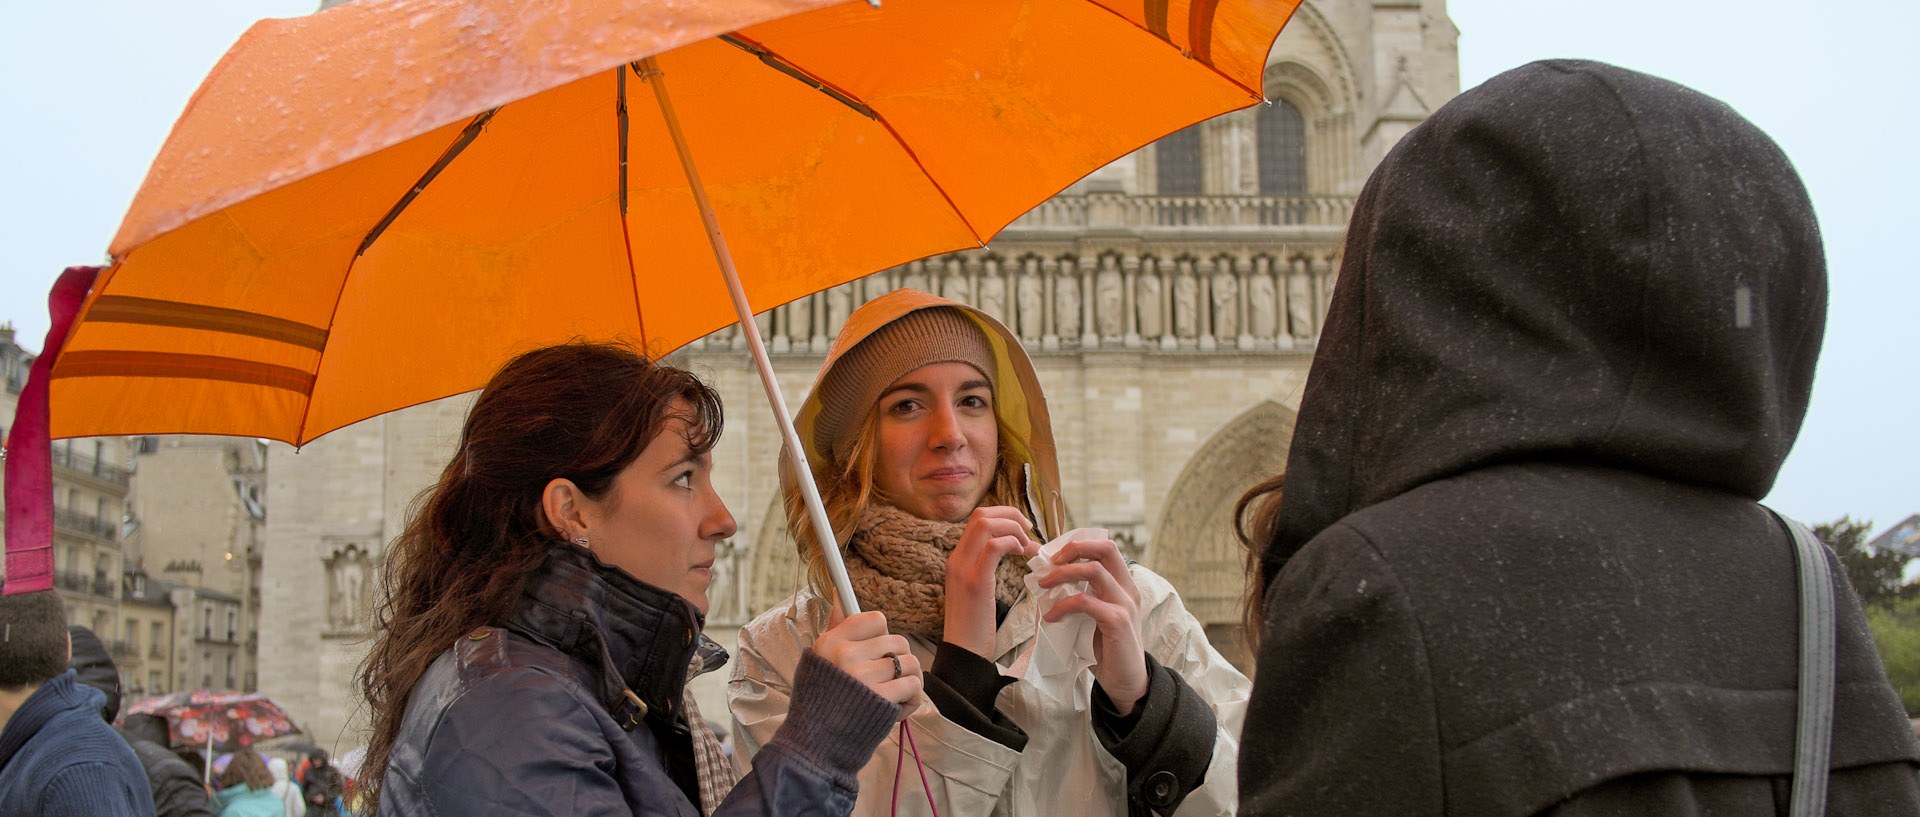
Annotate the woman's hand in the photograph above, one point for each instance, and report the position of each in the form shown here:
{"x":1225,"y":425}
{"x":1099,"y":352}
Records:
{"x":1113,"y":602}
{"x":861,"y":647}
{"x":992,"y":533}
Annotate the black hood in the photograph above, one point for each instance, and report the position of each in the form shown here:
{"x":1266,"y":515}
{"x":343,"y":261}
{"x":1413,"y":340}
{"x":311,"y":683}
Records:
{"x":1570,"y":263}
{"x":93,"y":666}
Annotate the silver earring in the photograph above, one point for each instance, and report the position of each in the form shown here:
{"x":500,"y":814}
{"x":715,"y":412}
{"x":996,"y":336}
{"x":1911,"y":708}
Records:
{"x":580,"y":541}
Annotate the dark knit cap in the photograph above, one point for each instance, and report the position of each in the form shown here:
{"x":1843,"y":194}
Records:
{"x":860,"y":375}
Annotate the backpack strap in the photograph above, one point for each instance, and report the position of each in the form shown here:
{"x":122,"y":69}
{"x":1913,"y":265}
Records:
{"x":1813,"y":740}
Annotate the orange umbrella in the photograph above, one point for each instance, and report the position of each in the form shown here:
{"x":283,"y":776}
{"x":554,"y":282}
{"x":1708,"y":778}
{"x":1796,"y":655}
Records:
{"x":376,"y":205}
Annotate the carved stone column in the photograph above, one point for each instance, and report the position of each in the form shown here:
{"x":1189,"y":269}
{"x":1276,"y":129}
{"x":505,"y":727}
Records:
{"x":817,"y":341}
{"x":1129,"y":299}
{"x":1203,"y":275}
{"x":1089,"y":334}
{"x":1243,"y":271}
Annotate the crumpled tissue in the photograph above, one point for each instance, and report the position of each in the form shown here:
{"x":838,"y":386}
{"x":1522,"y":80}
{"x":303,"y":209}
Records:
{"x":1061,"y":649}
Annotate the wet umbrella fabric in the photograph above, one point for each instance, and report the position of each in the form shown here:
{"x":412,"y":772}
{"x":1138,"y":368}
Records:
{"x":376,"y":205}
{"x":232,"y":720}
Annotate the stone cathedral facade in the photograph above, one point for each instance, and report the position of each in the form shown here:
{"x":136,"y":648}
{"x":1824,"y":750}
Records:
{"x":1171,"y":301}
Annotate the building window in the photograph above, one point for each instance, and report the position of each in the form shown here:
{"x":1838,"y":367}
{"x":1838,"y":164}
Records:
{"x":230,"y":627}
{"x":206,"y":621}
{"x":1177,"y":162}
{"x":153,"y":682}
{"x":158,"y":632}
{"x":1281,"y":133}
{"x":229,"y":672}
{"x":133,"y":637}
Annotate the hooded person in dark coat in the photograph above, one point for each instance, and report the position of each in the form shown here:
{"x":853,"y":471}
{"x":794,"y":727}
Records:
{"x":1520,"y":566}
{"x":176,"y":787}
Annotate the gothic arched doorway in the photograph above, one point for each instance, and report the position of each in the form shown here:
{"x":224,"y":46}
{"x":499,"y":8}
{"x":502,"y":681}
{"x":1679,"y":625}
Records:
{"x":1194,"y":546}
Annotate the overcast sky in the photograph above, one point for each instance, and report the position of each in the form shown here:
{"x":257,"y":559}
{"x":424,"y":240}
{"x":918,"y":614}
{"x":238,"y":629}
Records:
{"x":92,"y":88}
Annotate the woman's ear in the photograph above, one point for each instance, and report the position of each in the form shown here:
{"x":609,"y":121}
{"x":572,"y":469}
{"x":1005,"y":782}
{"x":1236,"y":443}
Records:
{"x":563,"y":504}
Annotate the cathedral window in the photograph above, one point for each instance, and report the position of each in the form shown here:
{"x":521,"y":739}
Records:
{"x":1177,"y":164}
{"x":1281,"y":133}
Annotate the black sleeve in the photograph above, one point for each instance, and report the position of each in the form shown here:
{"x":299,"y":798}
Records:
{"x":1166,"y":743}
{"x":962,"y":685}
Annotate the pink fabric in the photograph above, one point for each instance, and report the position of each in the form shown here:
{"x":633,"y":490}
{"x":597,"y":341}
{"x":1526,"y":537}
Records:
{"x":30,"y":451}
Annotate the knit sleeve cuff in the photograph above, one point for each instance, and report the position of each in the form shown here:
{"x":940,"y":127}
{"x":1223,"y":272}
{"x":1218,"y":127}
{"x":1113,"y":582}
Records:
{"x":834,"y":719}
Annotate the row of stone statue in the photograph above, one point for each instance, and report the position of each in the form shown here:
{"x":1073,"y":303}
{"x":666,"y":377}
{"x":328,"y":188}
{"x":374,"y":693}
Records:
{"x":1242,"y":303}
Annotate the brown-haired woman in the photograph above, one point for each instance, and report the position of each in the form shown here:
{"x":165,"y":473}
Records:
{"x":924,"y":418}
{"x":1254,"y":517}
{"x":246,"y":788}
{"x":543,"y":608}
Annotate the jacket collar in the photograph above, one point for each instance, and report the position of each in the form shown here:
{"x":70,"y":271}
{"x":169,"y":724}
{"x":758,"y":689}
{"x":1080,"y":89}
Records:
{"x":635,"y":640}
{"x":57,"y":695}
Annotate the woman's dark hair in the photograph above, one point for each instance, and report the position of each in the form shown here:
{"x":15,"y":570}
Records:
{"x":246,"y":768}
{"x":1255,"y":530}
{"x":582,"y":411}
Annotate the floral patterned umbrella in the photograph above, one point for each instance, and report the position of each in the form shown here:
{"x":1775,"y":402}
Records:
{"x":232,"y":720}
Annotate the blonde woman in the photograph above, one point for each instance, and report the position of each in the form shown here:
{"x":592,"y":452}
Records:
{"x":920,"y":426}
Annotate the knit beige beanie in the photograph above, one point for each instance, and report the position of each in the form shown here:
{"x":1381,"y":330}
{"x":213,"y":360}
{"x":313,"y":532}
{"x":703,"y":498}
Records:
{"x":851,"y":388}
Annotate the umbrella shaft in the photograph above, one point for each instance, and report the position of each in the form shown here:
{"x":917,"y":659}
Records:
{"x":796,"y":454}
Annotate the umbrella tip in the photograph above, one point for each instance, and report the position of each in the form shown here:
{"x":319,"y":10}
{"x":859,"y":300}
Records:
{"x":874,"y":3}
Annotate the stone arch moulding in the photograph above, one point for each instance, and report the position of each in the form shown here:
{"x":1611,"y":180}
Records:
{"x":1304,"y":87}
{"x":777,"y":570}
{"x":1344,"y":76}
{"x":1194,"y":546}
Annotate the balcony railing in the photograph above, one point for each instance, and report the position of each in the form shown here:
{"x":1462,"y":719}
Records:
{"x":85,"y":583}
{"x":66,"y":458}
{"x":85,"y":523}
{"x":1115,"y":210}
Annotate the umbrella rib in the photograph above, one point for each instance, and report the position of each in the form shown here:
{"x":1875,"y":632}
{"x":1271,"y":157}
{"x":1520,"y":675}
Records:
{"x":626,"y":233}
{"x":779,"y":63}
{"x":460,"y":143}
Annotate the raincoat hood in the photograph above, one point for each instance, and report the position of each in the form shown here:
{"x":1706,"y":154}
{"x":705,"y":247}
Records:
{"x":1018,"y":400}
{"x":1571,"y":263}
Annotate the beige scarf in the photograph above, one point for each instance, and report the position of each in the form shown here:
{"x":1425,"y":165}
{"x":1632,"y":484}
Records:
{"x":898,"y":565}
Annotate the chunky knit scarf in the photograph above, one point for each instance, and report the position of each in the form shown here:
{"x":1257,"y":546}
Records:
{"x":898,"y":565}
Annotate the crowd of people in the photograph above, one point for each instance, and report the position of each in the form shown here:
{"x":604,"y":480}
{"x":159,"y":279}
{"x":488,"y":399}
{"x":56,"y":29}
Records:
{"x":1516,"y":565}
{"x":79,"y":768}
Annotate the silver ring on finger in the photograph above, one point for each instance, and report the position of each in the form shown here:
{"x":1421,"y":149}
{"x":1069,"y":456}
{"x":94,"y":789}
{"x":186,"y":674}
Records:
{"x":897,"y":672}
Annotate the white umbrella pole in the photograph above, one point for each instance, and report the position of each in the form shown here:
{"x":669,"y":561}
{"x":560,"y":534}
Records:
{"x":797,"y":455}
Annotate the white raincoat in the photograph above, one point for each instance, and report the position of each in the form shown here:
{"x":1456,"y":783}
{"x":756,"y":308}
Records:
{"x":1063,"y":768}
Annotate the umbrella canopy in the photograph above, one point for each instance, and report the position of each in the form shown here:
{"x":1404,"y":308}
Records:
{"x":233,"y":720}
{"x":376,"y":205}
